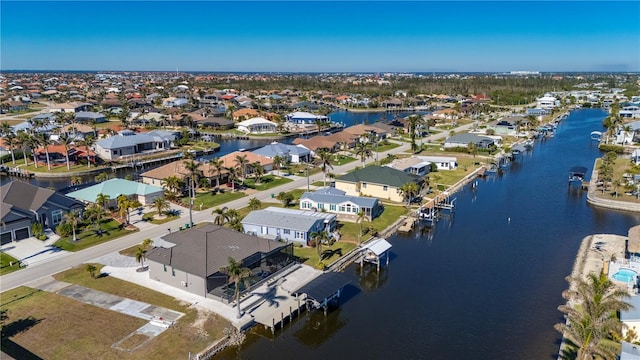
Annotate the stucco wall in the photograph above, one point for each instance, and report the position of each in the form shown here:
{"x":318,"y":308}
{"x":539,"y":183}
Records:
{"x":195,"y":284}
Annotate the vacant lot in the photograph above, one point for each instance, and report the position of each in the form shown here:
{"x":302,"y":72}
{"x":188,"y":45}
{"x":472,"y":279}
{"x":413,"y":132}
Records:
{"x":52,"y":326}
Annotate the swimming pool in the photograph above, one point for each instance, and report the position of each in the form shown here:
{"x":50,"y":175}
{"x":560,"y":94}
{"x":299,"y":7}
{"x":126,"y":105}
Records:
{"x":625,"y":275}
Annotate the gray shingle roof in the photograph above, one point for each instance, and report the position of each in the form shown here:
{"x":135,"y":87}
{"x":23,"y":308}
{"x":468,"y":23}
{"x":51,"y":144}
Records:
{"x":380,"y":175}
{"x":204,"y":250}
{"x":120,"y":141}
{"x":22,"y":195}
{"x":467,"y":138}
{"x":280,"y":149}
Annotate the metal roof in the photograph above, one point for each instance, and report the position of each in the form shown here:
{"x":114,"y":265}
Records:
{"x":378,"y":246}
{"x":287,"y":218}
{"x":380,"y":175}
{"x":280,"y":149}
{"x":324,"y":285}
{"x":114,"y":188}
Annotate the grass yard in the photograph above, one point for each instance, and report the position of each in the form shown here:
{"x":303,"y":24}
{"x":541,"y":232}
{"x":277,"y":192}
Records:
{"x":341,"y":160}
{"x":620,"y":167}
{"x":150,"y":217}
{"x":57,"y":168}
{"x":53,"y":326}
{"x":330,"y":254}
{"x":267,"y":182}
{"x":50,"y":326}
{"x":450,"y":177}
{"x":6,"y":262}
{"x":349,"y":231}
{"x":89,"y":237}
{"x":387,"y":147}
{"x":209,"y":199}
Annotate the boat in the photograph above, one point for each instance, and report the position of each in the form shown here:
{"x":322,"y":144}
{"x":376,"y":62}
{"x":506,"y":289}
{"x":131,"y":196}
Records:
{"x":577,"y":173}
{"x":596,"y":135}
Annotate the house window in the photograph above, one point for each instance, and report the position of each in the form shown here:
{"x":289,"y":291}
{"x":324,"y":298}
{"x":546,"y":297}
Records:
{"x":332,"y":207}
{"x":286,"y":231}
{"x":299,"y":235}
{"x":354,"y":210}
{"x":320,"y":206}
{"x":384,"y":188}
{"x":56,"y":217}
{"x":342,"y":209}
{"x":173,"y":271}
{"x":364,"y":185}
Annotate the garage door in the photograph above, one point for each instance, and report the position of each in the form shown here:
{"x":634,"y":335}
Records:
{"x":5,"y":238}
{"x":22,"y":233}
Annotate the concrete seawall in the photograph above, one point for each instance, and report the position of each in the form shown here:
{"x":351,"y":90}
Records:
{"x":607,"y":203}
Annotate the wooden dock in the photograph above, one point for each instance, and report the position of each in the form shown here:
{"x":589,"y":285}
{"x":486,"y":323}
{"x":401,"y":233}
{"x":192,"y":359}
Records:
{"x":407,"y":225}
{"x":15,"y":171}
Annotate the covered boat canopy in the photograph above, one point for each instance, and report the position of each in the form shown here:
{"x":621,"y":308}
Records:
{"x":325,"y":286}
{"x":518,"y":148}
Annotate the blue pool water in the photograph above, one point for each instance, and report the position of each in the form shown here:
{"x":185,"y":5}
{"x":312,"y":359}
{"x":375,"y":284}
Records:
{"x":625,"y":275}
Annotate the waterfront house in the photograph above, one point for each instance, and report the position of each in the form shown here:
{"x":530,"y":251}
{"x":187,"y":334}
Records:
{"x":288,"y":224}
{"x":257,"y":125}
{"x":378,"y":181}
{"x":335,"y":201}
{"x":463,"y":140}
{"x":126,"y":142}
{"x":629,"y":351}
{"x":194,"y":260}
{"x":630,"y":112}
{"x":291,"y":153}
{"x":547,"y":102}
{"x":441,"y":162}
{"x":302,"y":117}
{"x":507,"y":126}
{"x":144,"y":193}
{"x":216,"y":123}
{"x":411,"y":165}
{"x":173,"y":102}
{"x":367,"y":133}
{"x":318,"y":142}
{"x":229,"y":161}
{"x":22,"y":204}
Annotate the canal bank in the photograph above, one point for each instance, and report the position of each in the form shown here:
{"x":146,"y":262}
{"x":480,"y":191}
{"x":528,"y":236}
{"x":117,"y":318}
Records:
{"x":474,"y":285}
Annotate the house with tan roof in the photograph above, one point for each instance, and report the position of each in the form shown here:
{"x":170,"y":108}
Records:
{"x":244,"y":114}
{"x":72,"y":107}
{"x":179,"y":170}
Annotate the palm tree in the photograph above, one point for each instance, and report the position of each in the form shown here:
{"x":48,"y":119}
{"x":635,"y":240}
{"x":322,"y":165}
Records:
{"x":235,"y":220}
{"x":34,"y":142}
{"x":232,"y":172}
{"x":363,"y":151}
{"x":258,"y":171}
{"x":193,"y":167}
{"x":217,"y":165}
{"x":66,"y":142}
{"x":319,"y":238}
{"x":324,"y":158}
{"x":413,"y":123}
{"x":23,"y":143}
{"x":278,"y":161}
{"x":361,"y":219}
{"x":237,"y":274}
{"x":95,"y":214}
{"x":172,"y":184}
{"x":409,"y":191}
{"x":220,"y":216}
{"x":125,"y":205}
{"x":592,"y":320}
{"x":44,"y":140}
{"x":11,"y":140}
{"x":241,"y":163}
{"x":141,"y":254}
{"x":72,"y":218}
{"x":255,"y":204}
{"x":161,"y":205}
{"x":102,"y":200}
{"x":88,"y":142}
{"x":91,"y":269}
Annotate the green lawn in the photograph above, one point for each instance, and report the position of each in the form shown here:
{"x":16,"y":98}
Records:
{"x":387,"y":147}
{"x":150,"y":217}
{"x":5,"y":261}
{"x":89,"y":237}
{"x":341,"y":160}
{"x":267,"y":182}
{"x":58,"y":168}
{"x":330,"y":254}
{"x":320,"y":183}
{"x":209,"y":200}
{"x":349,"y":231}
{"x":450,"y":177}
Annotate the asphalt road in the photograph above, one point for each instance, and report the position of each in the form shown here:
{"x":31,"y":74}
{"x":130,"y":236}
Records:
{"x":69,"y":260}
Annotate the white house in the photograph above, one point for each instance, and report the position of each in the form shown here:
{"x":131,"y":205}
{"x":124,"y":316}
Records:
{"x":335,"y":201}
{"x":302,"y":117}
{"x":129,"y":143}
{"x":442,"y":162}
{"x":632,"y":111}
{"x":288,"y":224}
{"x":257,"y":125}
{"x":292,"y":153}
{"x":631,"y":318}
{"x":547,"y":102}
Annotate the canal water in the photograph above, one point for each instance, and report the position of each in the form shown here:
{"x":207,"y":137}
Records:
{"x":483,"y":283}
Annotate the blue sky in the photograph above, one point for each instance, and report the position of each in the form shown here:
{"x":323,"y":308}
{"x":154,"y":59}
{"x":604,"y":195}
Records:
{"x":320,"y":36}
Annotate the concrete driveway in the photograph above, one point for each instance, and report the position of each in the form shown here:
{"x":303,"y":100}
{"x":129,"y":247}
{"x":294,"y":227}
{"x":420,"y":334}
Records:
{"x":31,"y":250}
